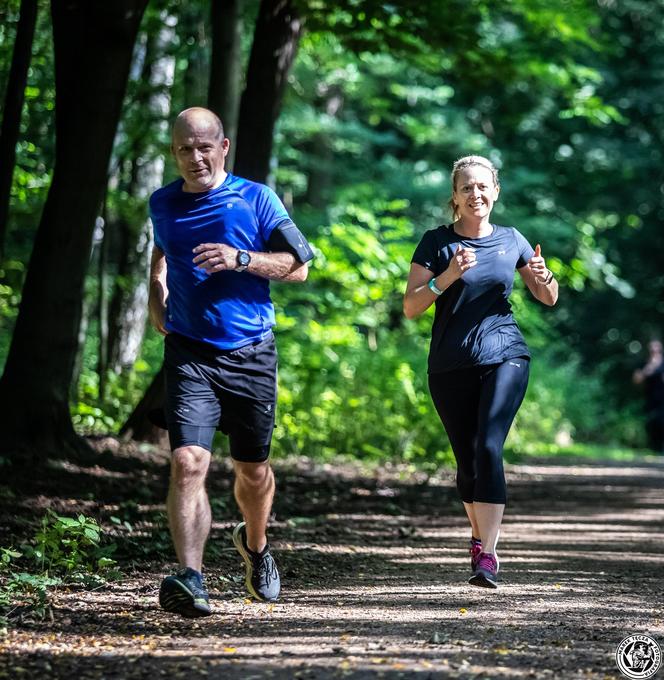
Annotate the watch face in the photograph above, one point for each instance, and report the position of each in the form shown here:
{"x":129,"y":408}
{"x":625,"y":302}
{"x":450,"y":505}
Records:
{"x":243,"y":258}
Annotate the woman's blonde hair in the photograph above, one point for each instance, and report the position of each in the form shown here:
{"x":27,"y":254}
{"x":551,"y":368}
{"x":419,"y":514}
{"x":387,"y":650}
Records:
{"x":462,"y":164}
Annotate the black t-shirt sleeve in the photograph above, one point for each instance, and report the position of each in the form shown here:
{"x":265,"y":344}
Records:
{"x":287,"y":238}
{"x":426,"y":253}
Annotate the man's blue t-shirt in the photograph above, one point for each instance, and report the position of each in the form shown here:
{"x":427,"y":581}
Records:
{"x":473,"y":323}
{"x":226,"y":309}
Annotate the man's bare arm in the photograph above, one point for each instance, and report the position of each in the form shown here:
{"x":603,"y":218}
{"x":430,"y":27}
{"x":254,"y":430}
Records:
{"x":218,"y":257}
{"x":158,"y":291}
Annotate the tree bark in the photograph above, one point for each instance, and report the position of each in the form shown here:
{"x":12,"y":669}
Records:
{"x":226,"y":66}
{"x":93,"y":42}
{"x":276,"y":38}
{"x":141,"y":423}
{"x":13,"y":106}
{"x":102,"y":302}
{"x":195,"y":77}
{"x":128,"y":308}
{"x":319,"y":172}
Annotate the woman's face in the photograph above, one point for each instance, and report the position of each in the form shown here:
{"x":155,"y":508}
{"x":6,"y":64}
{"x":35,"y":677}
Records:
{"x":475,"y":192}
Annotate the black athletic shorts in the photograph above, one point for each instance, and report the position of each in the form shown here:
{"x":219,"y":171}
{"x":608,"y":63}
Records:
{"x":231,"y":390}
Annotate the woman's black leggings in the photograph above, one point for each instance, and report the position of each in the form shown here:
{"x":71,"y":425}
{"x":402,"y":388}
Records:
{"x":477,"y":406}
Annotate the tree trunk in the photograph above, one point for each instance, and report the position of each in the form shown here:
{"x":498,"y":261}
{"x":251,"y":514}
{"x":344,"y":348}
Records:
{"x":195,"y":75}
{"x":11,"y":118}
{"x":141,"y":423}
{"x":129,"y":303}
{"x":127,"y":312}
{"x":93,"y":42}
{"x":321,"y":156}
{"x":226,"y":66}
{"x":277,"y":34}
{"x":102,"y":303}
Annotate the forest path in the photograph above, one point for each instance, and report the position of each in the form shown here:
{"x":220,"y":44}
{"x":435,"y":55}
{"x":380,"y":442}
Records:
{"x":374,"y":567}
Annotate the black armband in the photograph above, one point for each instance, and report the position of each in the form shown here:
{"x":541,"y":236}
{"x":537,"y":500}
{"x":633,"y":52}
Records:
{"x":288,"y":238}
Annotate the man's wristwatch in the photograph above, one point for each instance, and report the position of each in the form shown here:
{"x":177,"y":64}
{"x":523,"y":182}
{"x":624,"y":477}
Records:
{"x":243,"y":259}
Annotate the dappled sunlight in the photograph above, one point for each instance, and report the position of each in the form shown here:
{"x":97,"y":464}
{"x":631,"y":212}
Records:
{"x":378,"y":582}
{"x":653,"y":472}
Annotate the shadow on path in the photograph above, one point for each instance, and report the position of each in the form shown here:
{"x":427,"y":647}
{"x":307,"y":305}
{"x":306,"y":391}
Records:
{"x":374,"y":565}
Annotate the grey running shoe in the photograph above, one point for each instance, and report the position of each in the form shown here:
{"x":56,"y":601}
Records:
{"x":486,"y":572}
{"x":261,"y":574}
{"x":185,"y":594}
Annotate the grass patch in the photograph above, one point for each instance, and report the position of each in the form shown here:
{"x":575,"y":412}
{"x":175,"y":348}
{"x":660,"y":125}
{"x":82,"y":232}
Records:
{"x":587,"y":451}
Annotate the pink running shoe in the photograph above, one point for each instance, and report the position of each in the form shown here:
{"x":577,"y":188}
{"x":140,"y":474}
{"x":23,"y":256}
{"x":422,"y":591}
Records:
{"x":475,"y":550}
{"x":486,"y":572}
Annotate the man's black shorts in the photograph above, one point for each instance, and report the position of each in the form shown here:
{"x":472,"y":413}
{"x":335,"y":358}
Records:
{"x":231,"y":390}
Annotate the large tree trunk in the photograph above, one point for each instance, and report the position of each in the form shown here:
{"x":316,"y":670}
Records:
{"x":11,"y":117}
{"x":93,"y":41}
{"x":226,"y":66}
{"x":127,"y":313}
{"x":142,"y":423}
{"x":276,"y":38}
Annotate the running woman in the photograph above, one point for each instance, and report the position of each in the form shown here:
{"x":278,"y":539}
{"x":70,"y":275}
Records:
{"x":478,"y":359}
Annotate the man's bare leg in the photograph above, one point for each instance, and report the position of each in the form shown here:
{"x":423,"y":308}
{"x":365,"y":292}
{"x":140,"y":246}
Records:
{"x":254,"y":493}
{"x":189,"y":515}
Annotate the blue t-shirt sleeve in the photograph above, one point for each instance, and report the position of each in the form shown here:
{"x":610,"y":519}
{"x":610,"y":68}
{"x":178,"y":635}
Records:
{"x":426,"y":253}
{"x":155,"y":224}
{"x":524,"y":249}
{"x":270,"y":212}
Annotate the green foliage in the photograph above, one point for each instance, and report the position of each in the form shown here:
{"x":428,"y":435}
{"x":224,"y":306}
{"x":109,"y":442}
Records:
{"x":35,"y":149}
{"x":66,"y":546}
{"x":563,"y":95}
{"x":352,"y":377}
{"x":26,"y":590}
{"x":64,"y":550}
{"x":6,"y":556}
{"x":90,"y":413}
{"x":11,"y":280}
{"x":580,"y":451}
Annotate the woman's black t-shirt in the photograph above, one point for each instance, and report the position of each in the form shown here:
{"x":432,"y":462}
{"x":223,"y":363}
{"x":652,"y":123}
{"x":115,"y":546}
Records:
{"x":473,"y":323}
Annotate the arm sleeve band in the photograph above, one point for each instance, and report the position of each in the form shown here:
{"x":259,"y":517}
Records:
{"x":286,"y":237}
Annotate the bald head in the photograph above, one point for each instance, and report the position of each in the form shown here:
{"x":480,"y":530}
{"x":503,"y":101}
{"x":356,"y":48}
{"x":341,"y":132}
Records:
{"x":199,"y":120}
{"x":200,"y":149}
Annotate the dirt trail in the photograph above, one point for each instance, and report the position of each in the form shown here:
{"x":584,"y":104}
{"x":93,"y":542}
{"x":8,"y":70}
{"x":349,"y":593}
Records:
{"x":374,"y":568}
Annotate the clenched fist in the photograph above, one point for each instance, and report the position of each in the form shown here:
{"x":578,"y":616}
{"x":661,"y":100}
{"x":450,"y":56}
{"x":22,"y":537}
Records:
{"x":463,"y":260}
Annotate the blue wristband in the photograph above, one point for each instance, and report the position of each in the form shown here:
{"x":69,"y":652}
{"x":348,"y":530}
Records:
{"x":432,"y":285}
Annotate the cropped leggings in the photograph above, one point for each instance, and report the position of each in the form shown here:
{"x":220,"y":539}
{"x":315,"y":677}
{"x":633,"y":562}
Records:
{"x":477,"y":406}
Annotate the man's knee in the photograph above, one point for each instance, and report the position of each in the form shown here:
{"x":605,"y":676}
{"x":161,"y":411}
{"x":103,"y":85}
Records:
{"x":253,"y":474}
{"x":189,"y":465}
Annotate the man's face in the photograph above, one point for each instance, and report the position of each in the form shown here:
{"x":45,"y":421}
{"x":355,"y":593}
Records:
{"x":200,"y":155}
